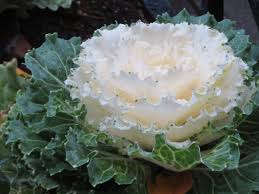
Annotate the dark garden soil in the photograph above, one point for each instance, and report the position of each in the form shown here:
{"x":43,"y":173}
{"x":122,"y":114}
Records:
{"x":19,"y":32}
{"x":23,"y":30}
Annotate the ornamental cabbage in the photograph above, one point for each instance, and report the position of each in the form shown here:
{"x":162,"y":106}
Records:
{"x":181,"y":93}
{"x":145,"y":79}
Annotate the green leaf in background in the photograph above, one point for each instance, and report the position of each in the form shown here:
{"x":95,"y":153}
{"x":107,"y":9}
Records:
{"x":52,"y":4}
{"x":10,"y":83}
{"x":28,"y":4}
{"x":14,"y":4}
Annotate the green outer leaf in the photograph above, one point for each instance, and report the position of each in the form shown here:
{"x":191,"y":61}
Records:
{"x":103,"y":169}
{"x":102,"y":164}
{"x":17,"y":133}
{"x":76,"y":155}
{"x":224,"y":155}
{"x":37,"y":124}
{"x":244,"y":179}
{"x":46,"y":182}
{"x":59,"y":101}
{"x":51,"y":63}
{"x":106,"y":27}
{"x":182,"y":16}
{"x":239,"y":43}
{"x":30,"y":145}
{"x":30,"y":100}
{"x":206,"y":19}
{"x":226,"y":26}
{"x":186,"y":155}
{"x":173,"y":156}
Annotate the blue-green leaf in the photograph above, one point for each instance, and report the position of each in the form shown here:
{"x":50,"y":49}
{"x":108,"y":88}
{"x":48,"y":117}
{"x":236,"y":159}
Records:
{"x":224,"y":155}
{"x":171,"y":155}
{"x":52,"y":4}
{"x":244,"y":179}
{"x":51,"y":63}
{"x":182,"y":16}
{"x":239,"y":43}
{"x":10,"y":83}
{"x":76,"y":155}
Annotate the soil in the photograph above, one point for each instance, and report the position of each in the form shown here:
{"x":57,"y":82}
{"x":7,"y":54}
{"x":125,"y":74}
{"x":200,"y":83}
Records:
{"x":21,"y":30}
{"x":82,"y":19}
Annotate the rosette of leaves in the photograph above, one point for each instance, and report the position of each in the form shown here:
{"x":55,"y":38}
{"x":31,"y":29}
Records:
{"x":53,"y":149}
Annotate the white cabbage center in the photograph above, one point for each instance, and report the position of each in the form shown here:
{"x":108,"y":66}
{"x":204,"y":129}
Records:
{"x":144,"y":79}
